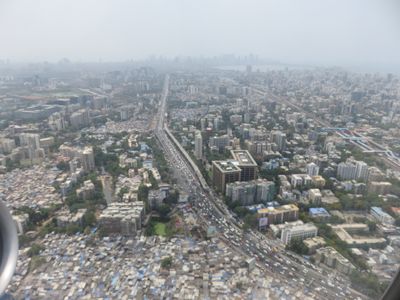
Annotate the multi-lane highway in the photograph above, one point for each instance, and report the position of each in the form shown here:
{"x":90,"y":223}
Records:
{"x":211,"y":210}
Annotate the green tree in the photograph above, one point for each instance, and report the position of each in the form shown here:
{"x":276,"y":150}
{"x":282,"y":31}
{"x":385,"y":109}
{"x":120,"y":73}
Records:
{"x":63,"y":166}
{"x":153,"y":181}
{"x":250,"y":221}
{"x":35,"y":250}
{"x":11,"y":165}
{"x":164,"y":210}
{"x":371,"y":226}
{"x":123,"y":191}
{"x":241,"y":211}
{"x":172,"y":198}
{"x":297,"y":245}
{"x":89,"y":219}
{"x":166,"y":263}
{"x":109,"y":161}
{"x":143,"y":193}
{"x":72,"y":229}
{"x":367,"y":283}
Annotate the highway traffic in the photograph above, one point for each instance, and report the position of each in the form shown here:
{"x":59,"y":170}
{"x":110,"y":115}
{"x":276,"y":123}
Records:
{"x":270,"y":254}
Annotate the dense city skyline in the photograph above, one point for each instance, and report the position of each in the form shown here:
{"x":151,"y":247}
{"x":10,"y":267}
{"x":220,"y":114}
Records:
{"x":355,"y":33}
{"x":217,"y":149}
{"x":242,"y":177}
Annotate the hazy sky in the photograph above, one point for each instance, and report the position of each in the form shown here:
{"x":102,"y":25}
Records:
{"x":300,"y":31}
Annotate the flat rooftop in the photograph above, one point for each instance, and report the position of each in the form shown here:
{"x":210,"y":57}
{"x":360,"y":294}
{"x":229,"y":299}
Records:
{"x":243,"y":157}
{"x":226,"y":165}
{"x":302,"y":227}
{"x":341,"y":231}
{"x":318,"y":211}
{"x":287,"y":207}
{"x":315,"y":241}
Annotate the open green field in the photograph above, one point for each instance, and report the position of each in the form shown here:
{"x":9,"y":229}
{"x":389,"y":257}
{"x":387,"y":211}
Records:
{"x":159,"y":229}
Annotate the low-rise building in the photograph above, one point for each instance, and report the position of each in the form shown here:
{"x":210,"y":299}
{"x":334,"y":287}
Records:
{"x":319,"y":213}
{"x":318,"y":181}
{"x":381,"y":216}
{"x":343,"y":232}
{"x":314,"y":243}
{"x":65,"y":218}
{"x":330,"y":257}
{"x":396,"y":210}
{"x":300,"y":232}
{"x":277,"y":228}
{"x":328,"y":197}
{"x":20,"y":222}
{"x":379,"y":187}
{"x":280,"y":214}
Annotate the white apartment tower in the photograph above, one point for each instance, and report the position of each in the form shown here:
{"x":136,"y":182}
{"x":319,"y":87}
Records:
{"x":312,"y":169}
{"x":198,"y":145}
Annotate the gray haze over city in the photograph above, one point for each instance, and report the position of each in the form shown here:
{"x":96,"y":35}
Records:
{"x":345,"y":33}
{"x":200,"y":149}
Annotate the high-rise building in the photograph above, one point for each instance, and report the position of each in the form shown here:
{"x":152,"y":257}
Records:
{"x":353,"y":170}
{"x":279,"y":138}
{"x":361,"y":170}
{"x":203,"y":123}
{"x":246,"y":163}
{"x":106,"y":182}
{"x":86,"y":190}
{"x":300,"y":180}
{"x":79,"y":118}
{"x":246,"y":117}
{"x":242,"y":192}
{"x":122,"y":217}
{"x":32,"y":143}
{"x":266,"y":190}
{"x":256,"y":147}
{"x":312,"y":169}
{"x":249,"y":192}
{"x":87,"y":159}
{"x":31,"y":140}
{"x":225,"y":172}
{"x":217,"y":122}
{"x":7,"y":145}
{"x":346,"y":171}
{"x":198,"y":145}
{"x":315,"y":196}
{"x":57,"y":122}
{"x":236,"y":119}
{"x":219,"y":142}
